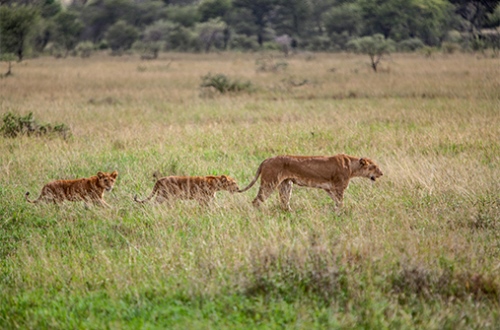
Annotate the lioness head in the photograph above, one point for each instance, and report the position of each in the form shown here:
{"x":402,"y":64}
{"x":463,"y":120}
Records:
{"x":369,"y":169}
{"x":107,"y":180}
{"x":229,"y":184}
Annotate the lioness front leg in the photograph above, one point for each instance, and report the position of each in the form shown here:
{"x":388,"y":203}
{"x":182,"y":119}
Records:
{"x":337,"y":196}
{"x":285,"y":192}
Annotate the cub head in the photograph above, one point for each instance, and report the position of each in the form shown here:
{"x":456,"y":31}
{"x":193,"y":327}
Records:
{"x":229,"y":184}
{"x":107,"y":180}
{"x":369,"y":169}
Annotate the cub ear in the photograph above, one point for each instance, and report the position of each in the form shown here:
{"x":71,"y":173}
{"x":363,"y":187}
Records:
{"x":362,"y":161}
{"x":114,"y":174}
{"x":223,"y":178}
{"x":100,"y":175}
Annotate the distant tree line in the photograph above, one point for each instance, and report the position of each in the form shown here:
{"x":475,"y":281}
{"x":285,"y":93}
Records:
{"x":30,"y":27}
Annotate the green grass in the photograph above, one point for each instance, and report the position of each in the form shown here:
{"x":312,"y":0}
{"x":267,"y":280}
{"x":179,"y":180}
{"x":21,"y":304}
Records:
{"x":420,"y":248}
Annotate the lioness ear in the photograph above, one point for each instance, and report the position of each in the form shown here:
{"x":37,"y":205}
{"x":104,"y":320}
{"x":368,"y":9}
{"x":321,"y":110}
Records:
{"x":362,"y":161}
{"x":114,"y":174}
{"x":100,"y":174}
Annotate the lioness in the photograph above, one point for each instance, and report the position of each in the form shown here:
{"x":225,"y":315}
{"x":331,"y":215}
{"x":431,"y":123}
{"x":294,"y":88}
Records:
{"x":85,"y":189}
{"x":200,"y":188}
{"x":332,"y":174}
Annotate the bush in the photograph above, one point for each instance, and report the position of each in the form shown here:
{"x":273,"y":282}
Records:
{"x":84,"y":49}
{"x":427,"y":51}
{"x":317,"y":43}
{"x":16,"y":125}
{"x":243,"y":42}
{"x":450,"y":47}
{"x":223,"y":84}
{"x":410,"y":45}
{"x":120,"y":37}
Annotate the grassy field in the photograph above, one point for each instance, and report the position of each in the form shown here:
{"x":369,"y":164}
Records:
{"x":420,"y":248}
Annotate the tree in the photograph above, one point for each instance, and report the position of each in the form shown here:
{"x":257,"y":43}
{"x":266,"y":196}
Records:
{"x":374,"y":46}
{"x":97,"y":16}
{"x":210,"y":33}
{"x":475,"y":13}
{"x":260,"y":10}
{"x":16,"y":23}
{"x":67,"y":30}
{"x":120,"y":36}
{"x":187,"y":16}
{"x":210,"y":9}
{"x":291,"y":16}
{"x":319,"y":8}
{"x":403,"y":19}
{"x":345,"y":18}
{"x":7,"y":57}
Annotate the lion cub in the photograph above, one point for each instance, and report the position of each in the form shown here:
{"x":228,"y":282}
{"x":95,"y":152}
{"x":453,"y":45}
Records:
{"x":200,"y":188}
{"x":85,"y":189}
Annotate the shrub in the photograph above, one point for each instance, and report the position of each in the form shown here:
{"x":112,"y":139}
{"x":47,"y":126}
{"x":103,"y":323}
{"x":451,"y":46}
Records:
{"x":410,"y":45}
{"x":243,"y":42}
{"x":223,"y":84}
{"x":317,"y":43}
{"x":449,"y":47}
{"x":427,"y":51}
{"x":16,"y":125}
{"x":84,"y":49}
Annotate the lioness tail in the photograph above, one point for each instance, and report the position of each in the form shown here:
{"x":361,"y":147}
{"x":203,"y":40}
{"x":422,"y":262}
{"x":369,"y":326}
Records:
{"x":259,"y":170}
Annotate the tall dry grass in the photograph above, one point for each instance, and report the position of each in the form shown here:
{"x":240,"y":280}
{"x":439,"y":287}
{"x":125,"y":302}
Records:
{"x":419,"y":248}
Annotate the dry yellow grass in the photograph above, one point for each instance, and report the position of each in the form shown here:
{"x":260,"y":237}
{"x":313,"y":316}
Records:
{"x":428,"y":229}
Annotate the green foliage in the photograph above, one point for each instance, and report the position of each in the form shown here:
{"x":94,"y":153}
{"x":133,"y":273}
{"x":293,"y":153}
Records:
{"x":401,"y":19}
{"x":67,"y":30}
{"x":346,"y":18}
{"x":186,"y":16}
{"x":243,"y":42}
{"x":16,"y":23}
{"x":210,"y":9}
{"x":85,"y":49}
{"x":450,"y":47}
{"x":211,"y":33}
{"x":17,"y":125}
{"x":410,"y":45}
{"x":222,"y":84}
{"x":121,"y":36}
{"x":374,"y":46}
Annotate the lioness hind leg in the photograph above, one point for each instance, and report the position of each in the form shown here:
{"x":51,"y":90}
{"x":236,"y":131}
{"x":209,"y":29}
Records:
{"x":265,"y":191}
{"x":285,"y":192}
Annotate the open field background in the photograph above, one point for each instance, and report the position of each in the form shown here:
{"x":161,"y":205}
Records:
{"x":420,"y":248}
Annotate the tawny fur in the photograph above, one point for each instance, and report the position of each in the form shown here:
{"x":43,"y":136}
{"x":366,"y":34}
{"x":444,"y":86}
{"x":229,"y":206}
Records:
{"x":330,"y":173}
{"x":200,"y":188}
{"x":85,"y":189}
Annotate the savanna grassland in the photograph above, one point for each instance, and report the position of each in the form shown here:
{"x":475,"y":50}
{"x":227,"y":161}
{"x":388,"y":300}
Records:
{"x":419,"y":248}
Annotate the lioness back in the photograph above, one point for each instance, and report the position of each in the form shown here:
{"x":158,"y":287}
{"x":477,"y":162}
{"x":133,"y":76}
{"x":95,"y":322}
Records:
{"x":85,"y":189}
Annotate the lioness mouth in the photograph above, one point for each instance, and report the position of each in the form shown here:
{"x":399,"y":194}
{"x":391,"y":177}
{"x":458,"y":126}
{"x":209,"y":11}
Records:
{"x":373,"y":178}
